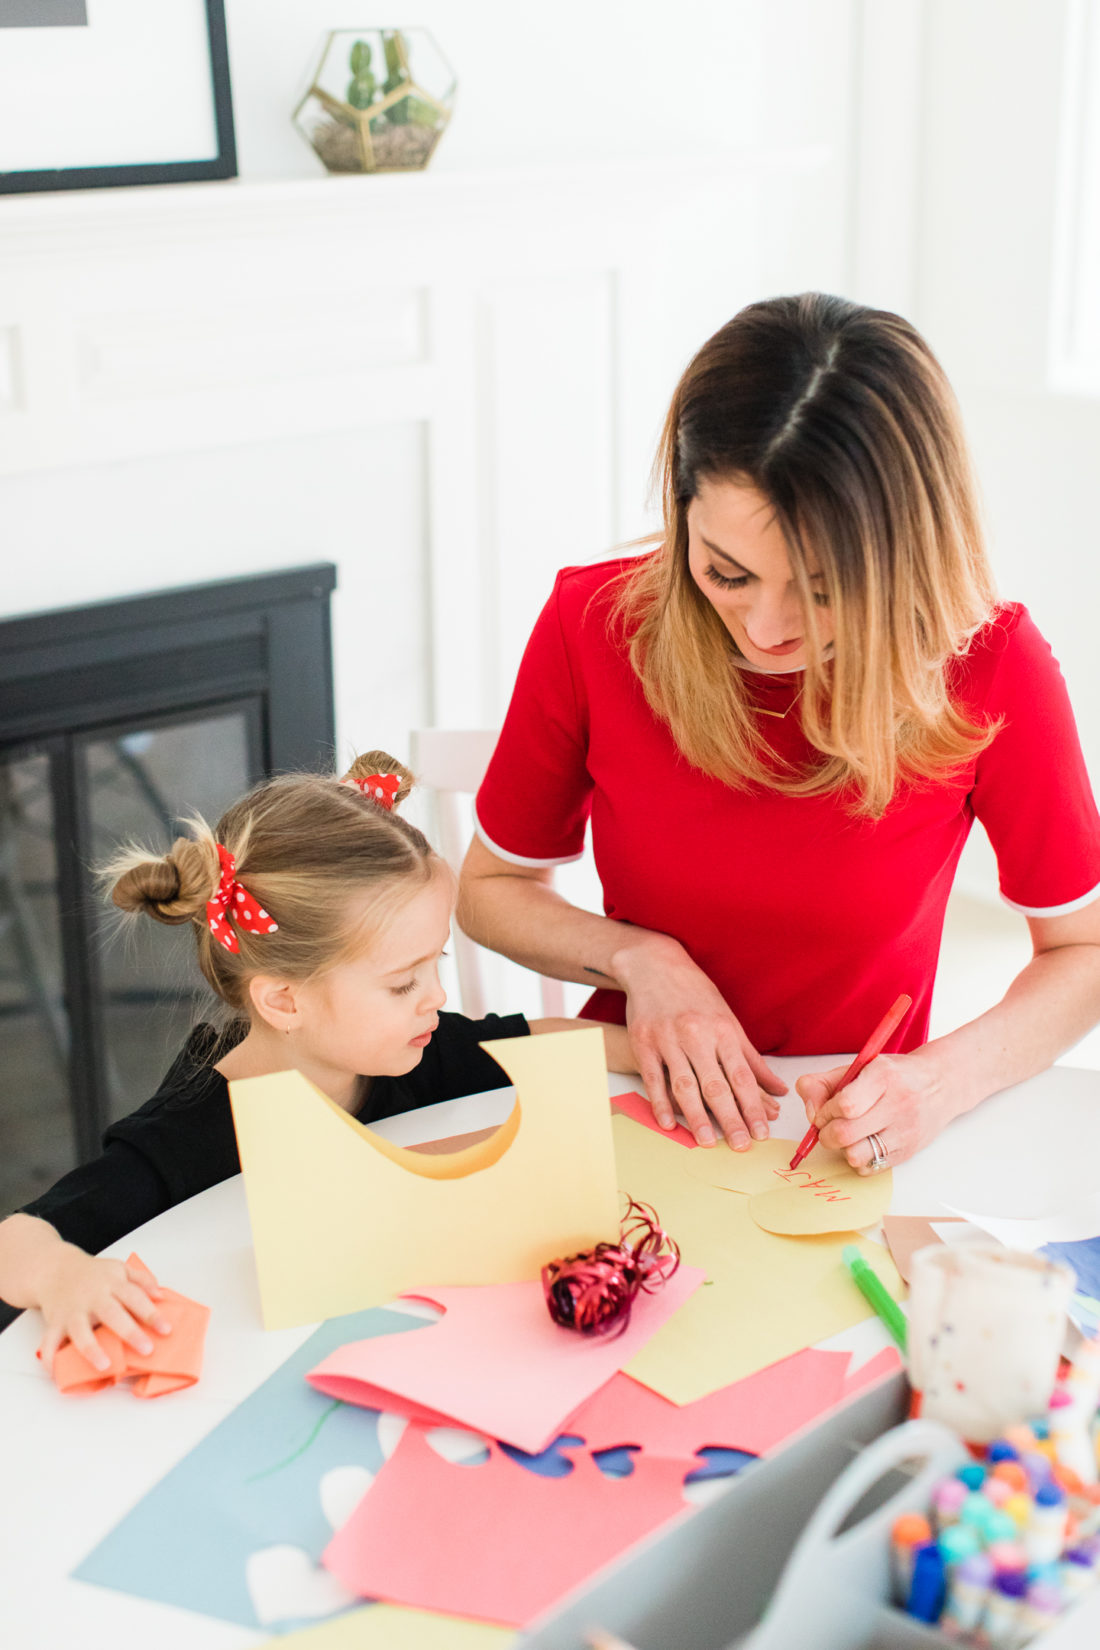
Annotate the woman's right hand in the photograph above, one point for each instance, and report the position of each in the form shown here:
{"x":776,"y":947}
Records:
{"x":77,"y":1291}
{"x":692,"y":1050}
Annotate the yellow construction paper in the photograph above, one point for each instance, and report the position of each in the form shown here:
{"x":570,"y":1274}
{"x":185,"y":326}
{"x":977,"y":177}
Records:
{"x":342,"y":1219}
{"x":393,"y":1627}
{"x":765,"y":1297}
{"x":824,"y":1194}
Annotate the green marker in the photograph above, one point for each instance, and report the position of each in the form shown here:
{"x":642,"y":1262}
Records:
{"x":875,"y":1292}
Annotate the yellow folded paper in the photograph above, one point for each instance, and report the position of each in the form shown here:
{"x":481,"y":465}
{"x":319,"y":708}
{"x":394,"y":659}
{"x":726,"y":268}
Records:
{"x":342,"y":1219}
{"x":393,"y":1627}
{"x":766,"y":1296}
{"x":824,"y":1194}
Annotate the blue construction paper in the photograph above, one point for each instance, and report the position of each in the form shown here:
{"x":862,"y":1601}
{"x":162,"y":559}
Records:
{"x":1084,"y":1258}
{"x":719,"y":1462}
{"x":548,"y":1463}
{"x":617,"y":1462}
{"x":253,"y":1482}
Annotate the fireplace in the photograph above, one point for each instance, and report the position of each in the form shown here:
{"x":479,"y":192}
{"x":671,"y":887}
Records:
{"x":116,"y":721}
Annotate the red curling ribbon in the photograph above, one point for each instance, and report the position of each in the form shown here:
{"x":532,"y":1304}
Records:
{"x":594,"y":1292}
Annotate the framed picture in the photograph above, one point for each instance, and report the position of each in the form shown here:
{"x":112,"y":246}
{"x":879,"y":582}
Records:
{"x":106,"y":92}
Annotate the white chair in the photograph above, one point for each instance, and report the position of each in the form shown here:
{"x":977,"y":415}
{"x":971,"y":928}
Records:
{"x":450,"y":764}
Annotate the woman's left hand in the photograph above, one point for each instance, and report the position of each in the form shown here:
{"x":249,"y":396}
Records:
{"x":898,"y":1097}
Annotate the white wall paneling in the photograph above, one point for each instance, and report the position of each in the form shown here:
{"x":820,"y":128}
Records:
{"x":449,"y":384}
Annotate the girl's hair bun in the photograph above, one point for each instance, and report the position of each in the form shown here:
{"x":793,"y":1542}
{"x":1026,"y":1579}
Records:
{"x":171,"y":890}
{"x":382,"y":762}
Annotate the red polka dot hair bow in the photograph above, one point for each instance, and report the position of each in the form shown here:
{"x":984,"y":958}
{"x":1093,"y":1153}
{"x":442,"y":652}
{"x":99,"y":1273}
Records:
{"x":380,"y":787}
{"x":230,"y":898}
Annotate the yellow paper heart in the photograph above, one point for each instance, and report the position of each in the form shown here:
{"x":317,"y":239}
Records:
{"x":824,"y":1194}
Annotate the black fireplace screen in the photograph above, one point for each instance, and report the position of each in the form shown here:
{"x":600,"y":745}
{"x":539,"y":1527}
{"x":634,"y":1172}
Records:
{"x":116,"y":722}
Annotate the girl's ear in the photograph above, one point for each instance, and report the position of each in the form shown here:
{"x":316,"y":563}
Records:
{"x":275,"y":1001}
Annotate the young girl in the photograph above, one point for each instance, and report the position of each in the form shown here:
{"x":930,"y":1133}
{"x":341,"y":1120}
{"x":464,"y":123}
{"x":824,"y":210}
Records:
{"x":320,"y":915}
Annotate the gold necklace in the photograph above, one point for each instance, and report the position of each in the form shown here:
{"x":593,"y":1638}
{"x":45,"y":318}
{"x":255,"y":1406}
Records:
{"x":780,"y":715}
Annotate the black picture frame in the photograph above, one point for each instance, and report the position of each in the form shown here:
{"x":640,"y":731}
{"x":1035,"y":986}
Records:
{"x":222,"y":165}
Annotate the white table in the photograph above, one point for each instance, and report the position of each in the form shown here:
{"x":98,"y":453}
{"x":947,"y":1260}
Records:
{"x":72,"y":1469}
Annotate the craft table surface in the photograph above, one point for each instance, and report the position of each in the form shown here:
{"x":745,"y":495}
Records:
{"x":71,"y":1467}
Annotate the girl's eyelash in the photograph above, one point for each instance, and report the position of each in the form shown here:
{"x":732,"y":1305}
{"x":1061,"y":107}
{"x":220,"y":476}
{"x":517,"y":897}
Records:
{"x":722,"y":581}
{"x":403,"y":990}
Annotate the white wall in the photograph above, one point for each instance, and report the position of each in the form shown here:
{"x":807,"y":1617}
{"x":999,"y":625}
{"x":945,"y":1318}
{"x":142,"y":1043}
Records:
{"x":992,"y":129}
{"x":574,"y":81}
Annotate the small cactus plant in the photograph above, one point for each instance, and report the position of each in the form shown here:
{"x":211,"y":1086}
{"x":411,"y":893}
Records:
{"x":363,"y":86}
{"x":379,"y":100}
{"x":397,"y":74}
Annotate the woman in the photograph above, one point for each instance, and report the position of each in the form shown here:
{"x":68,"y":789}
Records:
{"x":783,"y":722}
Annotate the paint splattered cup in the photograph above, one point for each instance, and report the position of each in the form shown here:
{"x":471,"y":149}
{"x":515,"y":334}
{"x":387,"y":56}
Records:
{"x":986,"y":1326}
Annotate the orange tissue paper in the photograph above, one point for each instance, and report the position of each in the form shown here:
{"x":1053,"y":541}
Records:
{"x":175,"y":1361}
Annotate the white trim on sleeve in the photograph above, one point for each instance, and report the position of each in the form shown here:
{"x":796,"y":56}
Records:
{"x":1055,"y":910}
{"x":520,"y":859}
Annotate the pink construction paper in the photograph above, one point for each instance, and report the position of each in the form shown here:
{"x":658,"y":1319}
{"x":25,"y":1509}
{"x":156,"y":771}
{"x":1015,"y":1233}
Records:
{"x":495,"y":1361}
{"x":494,"y":1541}
{"x":639,"y":1108}
{"x":756,"y":1414}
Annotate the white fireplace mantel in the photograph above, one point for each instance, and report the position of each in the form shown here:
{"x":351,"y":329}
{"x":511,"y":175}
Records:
{"x":530,"y":323}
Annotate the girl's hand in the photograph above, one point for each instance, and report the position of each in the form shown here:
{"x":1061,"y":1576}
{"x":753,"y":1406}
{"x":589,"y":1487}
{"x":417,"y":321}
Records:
{"x":899,"y":1097}
{"x":692,"y":1050}
{"x":79,"y":1292}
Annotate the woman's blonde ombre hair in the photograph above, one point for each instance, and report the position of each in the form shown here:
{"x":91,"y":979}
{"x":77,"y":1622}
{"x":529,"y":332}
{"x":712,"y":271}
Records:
{"x":843,"y":419}
{"x":308,"y":848}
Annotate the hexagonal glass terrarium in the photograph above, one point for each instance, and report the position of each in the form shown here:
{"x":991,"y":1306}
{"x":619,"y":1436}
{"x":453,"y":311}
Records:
{"x":379,"y":100}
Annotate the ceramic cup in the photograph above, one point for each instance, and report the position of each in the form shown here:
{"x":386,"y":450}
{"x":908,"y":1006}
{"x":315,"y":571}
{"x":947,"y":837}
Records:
{"x":986,"y":1327}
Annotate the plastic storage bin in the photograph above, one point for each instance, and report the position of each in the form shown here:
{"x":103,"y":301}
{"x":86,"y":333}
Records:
{"x":794,"y":1556}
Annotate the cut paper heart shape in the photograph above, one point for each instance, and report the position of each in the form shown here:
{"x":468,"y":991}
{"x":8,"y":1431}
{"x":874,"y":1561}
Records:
{"x":765,"y":1297}
{"x":284,"y":1584}
{"x":825,"y":1194}
{"x":494,"y":1542}
{"x":326,"y":1195}
{"x":341,"y":1489}
{"x":174,"y":1363}
{"x":495,"y":1361}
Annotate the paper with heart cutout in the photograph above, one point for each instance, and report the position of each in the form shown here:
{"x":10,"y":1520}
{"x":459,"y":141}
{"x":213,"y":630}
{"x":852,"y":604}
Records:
{"x":496,"y":1361}
{"x":174,"y":1363}
{"x":824,"y":1194}
{"x":543,"y":1185}
{"x":494,"y":1541}
{"x":755,"y":1415}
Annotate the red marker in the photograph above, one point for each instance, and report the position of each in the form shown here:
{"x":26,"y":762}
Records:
{"x":871,"y":1049}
